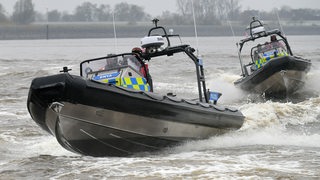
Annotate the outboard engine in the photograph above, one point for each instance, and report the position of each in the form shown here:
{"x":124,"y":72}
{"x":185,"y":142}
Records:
{"x":152,"y":44}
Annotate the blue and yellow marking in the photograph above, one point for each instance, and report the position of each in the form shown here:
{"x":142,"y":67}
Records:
{"x":137,"y":83}
{"x":115,"y":81}
{"x":260,"y":62}
{"x":105,"y":76}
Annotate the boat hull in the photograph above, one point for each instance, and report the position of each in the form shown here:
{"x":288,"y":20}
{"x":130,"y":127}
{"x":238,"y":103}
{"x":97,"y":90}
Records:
{"x":279,"y":78}
{"x":101,"y":132}
{"x":105,"y":120}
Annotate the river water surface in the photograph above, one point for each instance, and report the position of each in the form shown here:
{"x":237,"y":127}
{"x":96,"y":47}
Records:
{"x":279,"y":140}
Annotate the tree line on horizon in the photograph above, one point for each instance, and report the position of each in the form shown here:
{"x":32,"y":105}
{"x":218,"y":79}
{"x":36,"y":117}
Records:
{"x":206,"y":12}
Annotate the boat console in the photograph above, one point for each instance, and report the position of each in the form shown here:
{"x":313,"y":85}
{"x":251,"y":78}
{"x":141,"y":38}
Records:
{"x":124,"y":70}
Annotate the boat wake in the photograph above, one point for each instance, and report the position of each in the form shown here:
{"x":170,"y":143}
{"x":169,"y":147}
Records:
{"x":269,"y":123}
{"x":271,"y":136}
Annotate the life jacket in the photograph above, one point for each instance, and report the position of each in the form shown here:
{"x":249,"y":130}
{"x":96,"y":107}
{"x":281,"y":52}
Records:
{"x":144,"y":70}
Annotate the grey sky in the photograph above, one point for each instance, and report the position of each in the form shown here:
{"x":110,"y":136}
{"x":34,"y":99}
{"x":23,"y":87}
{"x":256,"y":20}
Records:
{"x":157,"y":7}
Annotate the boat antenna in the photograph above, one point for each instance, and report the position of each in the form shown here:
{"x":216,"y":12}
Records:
{"x":114,"y":33}
{"x":231,"y":27}
{"x":195,"y":27}
{"x":233,"y":35}
{"x":279,"y":21}
{"x":234,"y":39}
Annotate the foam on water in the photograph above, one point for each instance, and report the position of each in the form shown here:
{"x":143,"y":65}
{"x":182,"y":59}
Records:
{"x":312,"y":85}
{"x":276,"y":113}
{"x":46,"y":145}
{"x":274,"y":136}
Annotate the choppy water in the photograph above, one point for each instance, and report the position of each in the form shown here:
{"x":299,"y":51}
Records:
{"x":279,"y":140}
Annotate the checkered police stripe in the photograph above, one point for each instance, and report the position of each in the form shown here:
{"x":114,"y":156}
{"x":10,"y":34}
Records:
{"x":115,"y":81}
{"x":260,"y":62}
{"x":135,"y":83}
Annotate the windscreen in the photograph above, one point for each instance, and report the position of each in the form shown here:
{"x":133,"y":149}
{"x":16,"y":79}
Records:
{"x":268,"y":49}
{"x":109,"y":63}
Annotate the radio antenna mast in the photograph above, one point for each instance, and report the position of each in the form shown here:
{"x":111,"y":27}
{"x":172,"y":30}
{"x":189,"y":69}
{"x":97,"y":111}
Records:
{"x":195,"y":27}
{"x":114,"y":33}
{"x":279,"y":21}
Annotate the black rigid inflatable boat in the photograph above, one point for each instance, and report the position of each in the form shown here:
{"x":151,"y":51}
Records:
{"x":111,"y":109}
{"x":273,"y":70}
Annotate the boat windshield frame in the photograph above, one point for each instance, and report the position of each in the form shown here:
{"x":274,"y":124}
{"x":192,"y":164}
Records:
{"x":110,"y":62}
{"x":259,"y":49}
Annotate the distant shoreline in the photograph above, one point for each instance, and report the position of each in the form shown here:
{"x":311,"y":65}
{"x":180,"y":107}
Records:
{"x":124,"y":30}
